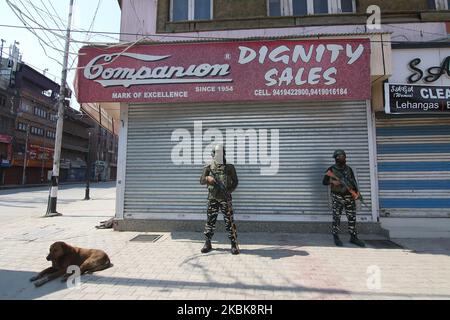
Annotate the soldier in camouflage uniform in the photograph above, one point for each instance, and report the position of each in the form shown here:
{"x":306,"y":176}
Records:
{"x":226,"y":173}
{"x":342,"y":198}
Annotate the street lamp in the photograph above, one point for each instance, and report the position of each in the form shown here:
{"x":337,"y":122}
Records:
{"x":43,"y":155}
{"x":88,"y":168}
{"x":24,"y":177}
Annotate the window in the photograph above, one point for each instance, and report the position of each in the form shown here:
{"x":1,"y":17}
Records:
{"x":21,"y":126}
{"x":40,"y":112}
{"x":37,"y":131}
{"x":4,"y":124}
{"x":53,"y":117}
{"x":439,"y":4}
{"x":300,"y":7}
{"x":320,"y":6}
{"x":305,"y":7}
{"x":25,"y":106}
{"x":51,"y":134}
{"x":2,"y":100}
{"x":274,"y":7}
{"x":19,"y":148}
{"x":182,"y":10}
{"x":348,"y":6}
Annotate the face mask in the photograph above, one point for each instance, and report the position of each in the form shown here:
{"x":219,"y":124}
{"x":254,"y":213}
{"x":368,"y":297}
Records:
{"x":340,"y":160}
{"x":218,"y":154}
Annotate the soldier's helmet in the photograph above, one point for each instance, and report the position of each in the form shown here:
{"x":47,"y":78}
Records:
{"x":338,"y":152}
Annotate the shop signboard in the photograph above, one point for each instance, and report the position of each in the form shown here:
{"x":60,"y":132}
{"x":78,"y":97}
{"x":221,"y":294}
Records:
{"x":415,"y":99}
{"x":280,"y":70}
{"x":421,"y":66}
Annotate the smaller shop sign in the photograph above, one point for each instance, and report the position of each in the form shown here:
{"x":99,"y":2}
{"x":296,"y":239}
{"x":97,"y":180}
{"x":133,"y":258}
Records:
{"x":6,"y":151}
{"x":65,"y":164}
{"x":5,"y":138}
{"x":4,"y":163}
{"x":410,"y":99}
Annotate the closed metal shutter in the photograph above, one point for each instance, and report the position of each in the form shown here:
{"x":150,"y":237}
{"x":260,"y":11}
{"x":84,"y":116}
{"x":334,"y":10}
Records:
{"x":414,"y":167}
{"x":156,"y":188}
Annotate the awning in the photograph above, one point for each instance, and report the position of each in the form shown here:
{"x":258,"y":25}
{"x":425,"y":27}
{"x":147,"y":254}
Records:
{"x":5,"y":138}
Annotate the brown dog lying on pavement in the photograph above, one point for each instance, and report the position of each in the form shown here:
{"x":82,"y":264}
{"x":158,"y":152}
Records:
{"x":63,"y":255}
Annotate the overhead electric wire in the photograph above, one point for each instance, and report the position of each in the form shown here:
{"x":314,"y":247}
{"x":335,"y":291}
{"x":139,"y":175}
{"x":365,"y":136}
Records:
{"x":19,"y":15}
{"x":63,"y":22}
{"x":130,"y":44}
{"x":56,"y":12}
{"x":187,"y":36}
{"x":43,"y":20}
{"x":87,"y":38}
{"x":32,"y":21}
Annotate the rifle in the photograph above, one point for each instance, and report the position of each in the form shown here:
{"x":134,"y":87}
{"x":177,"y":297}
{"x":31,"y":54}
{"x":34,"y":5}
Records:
{"x":227,"y":195}
{"x":356,"y":195}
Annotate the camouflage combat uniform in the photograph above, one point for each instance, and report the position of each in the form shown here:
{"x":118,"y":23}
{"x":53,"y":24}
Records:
{"x":216,"y":199}
{"x":341,"y":198}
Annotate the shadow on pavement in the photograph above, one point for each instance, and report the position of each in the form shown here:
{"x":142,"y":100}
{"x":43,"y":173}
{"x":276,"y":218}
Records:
{"x":16,"y":285}
{"x":20,"y":288}
{"x":4,"y":204}
{"x":170,"y":285}
{"x":87,"y":215}
{"x":276,"y":240}
{"x":426,"y":245}
{"x":279,"y":242}
{"x":273,"y":253}
{"x":7,"y":202}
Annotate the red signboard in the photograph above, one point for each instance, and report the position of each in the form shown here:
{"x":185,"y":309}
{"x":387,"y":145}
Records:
{"x":36,"y":152}
{"x":5,"y":138}
{"x":329,"y":69}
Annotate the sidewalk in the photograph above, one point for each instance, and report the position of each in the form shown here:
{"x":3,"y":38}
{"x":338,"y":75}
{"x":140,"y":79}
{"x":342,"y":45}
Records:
{"x":270,"y":266}
{"x":47,"y":185}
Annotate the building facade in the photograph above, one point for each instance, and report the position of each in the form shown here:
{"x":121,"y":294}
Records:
{"x":271,"y":69}
{"x":85,"y":142}
{"x":28,"y":111}
{"x":8,"y":110}
{"x":413,"y":140}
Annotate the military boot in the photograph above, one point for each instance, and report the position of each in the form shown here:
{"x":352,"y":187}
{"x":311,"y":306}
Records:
{"x":337,"y":241}
{"x":234,"y":248}
{"x":207,"y":247}
{"x":354,"y":239}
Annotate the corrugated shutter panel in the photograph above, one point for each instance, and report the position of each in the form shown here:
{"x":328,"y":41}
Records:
{"x":308,"y":134}
{"x":414,"y":167}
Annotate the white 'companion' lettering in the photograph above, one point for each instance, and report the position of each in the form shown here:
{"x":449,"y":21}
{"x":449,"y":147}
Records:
{"x":127,"y":77}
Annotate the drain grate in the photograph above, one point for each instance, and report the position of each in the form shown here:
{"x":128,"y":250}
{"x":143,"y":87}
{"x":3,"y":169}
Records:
{"x":147,"y":237}
{"x":383,"y":244}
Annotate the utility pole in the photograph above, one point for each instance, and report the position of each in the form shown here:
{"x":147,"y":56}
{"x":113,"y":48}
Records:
{"x":51,"y":208}
{"x":88,"y":168}
{"x":1,"y":53}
